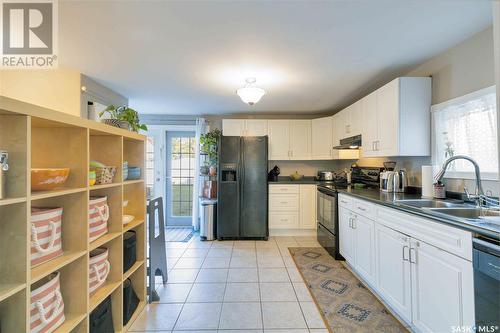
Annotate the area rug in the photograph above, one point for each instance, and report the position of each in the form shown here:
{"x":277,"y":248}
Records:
{"x":346,"y":304}
{"x":178,"y":234}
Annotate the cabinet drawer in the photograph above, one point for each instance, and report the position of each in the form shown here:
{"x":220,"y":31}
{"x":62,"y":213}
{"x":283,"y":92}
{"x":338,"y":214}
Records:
{"x":364,"y":208}
{"x":284,"y":202}
{"x":345,"y":201}
{"x":450,"y":239}
{"x":283,"y":220}
{"x":288,"y":189}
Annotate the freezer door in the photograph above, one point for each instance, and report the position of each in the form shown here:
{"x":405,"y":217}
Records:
{"x":228,"y":205}
{"x":253,"y":215}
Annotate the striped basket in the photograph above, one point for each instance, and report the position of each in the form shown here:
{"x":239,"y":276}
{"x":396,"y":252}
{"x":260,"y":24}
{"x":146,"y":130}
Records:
{"x":46,"y":234}
{"x":98,"y":217}
{"x":47,"y":305}
{"x":99,"y":268}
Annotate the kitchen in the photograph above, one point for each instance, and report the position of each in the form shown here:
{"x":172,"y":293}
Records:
{"x":308,"y":167}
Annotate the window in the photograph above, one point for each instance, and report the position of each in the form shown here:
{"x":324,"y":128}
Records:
{"x":467,"y":126}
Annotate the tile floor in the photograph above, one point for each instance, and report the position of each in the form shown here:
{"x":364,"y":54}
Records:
{"x":233,"y":286}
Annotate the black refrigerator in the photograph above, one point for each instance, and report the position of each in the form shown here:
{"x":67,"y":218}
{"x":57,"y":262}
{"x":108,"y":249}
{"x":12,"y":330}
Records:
{"x":242,"y":189}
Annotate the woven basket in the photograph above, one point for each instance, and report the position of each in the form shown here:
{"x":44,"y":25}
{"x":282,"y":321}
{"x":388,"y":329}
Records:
{"x":104,"y":175}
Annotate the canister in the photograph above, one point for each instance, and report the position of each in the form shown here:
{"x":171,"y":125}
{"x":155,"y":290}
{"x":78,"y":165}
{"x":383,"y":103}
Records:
{"x":4,"y":167}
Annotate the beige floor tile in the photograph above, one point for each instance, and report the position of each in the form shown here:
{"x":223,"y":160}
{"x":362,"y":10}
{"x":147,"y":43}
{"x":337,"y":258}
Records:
{"x":302,"y":292}
{"x":173,"y":292}
{"x":243,"y":262}
{"x":157,"y":317}
{"x":175,"y":253}
{"x":270,"y":262}
{"x":216,"y":262}
{"x":282,"y":315}
{"x":294,"y":274}
{"x":220,"y":252}
{"x":195,"y":316}
{"x":312,"y":315}
{"x":184,"y":263}
{"x":268,"y":252}
{"x":242,"y":292}
{"x":244,"y":252}
{"x":207,"y":275}
{"x":176,"y":245}
{"x":277,"y":292}
{"x":222,"y":245}
{"x":195,"y":253}
{"x":207,"y":293}
{"x":241,"y":316}
{"x":182,"y":275}
{"x":242,"y":275}
{"x":244,"y":245}
{"x":273,"y":275}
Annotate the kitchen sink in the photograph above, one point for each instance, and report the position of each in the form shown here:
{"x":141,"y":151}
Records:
{"x":429,"y":203}
{"x":470,"y":213}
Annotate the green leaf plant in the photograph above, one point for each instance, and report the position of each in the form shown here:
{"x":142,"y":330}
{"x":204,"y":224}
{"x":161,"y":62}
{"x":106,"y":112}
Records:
{"x":124,"y":113}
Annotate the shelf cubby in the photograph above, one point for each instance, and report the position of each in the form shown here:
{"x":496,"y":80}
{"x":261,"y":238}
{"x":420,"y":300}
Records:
{"x":13,"y":240}
{"x":12,"y":316}
{"x":107,"y":149}
{"x":14,"y":140}
{"x":36,"y":137}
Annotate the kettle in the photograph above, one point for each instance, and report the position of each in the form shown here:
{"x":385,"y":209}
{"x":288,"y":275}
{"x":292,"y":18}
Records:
{"x":394,"y":181}
{"x":273,"y":174}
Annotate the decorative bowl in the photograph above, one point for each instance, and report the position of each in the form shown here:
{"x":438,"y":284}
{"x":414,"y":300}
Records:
{"x":127,"y":219}
{"x":134,"y":173}
{"x":296,"y":176}
{"x":117,"y":123}
{"x":48,"y":179}
{"x":92,"y":178}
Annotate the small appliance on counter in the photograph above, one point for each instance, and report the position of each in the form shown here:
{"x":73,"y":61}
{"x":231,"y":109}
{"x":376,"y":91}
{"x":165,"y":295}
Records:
{"x":4,"y":167}
{"x":272,"y":176}
{"x":393,"y":181}
{"x":325,"y":175}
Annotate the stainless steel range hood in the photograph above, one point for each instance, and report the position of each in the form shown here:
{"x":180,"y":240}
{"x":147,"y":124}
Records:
{"x":353,"y":142}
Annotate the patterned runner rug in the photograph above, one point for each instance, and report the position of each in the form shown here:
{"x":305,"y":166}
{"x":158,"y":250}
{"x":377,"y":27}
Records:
{"x":178,"y":234}
{"x":346,"y":304}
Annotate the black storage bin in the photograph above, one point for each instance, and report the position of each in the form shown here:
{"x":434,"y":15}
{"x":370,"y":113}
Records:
{"x":129,"y":250}
{"x":130,"y":301}
{"x":101,"y":319}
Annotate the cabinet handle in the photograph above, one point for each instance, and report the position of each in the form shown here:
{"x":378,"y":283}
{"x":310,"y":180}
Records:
{"x":291,"y":153}
{"x":377,"y":145}
{"x":362,"y":209}
{"x":350,"y":222}
{"x":283,"y":220}
{"x":413,"y":255}
{"x":373,"y":145}
{"x":404,"y":252}
{"x":343,"y":201}
{"x":353,"y":223}
{"x":283,"y":202}
{"x":284,"y":189}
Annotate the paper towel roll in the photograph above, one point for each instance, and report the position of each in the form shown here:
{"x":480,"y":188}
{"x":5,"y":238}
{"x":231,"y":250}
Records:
{"x":427,"y":181}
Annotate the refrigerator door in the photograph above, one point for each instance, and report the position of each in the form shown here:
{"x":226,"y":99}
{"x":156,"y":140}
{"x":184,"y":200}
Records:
{"x":254,"y":190}
{"x":228,"y":207}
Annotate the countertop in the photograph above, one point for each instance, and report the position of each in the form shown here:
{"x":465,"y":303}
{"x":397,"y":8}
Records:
{"x":285,"y":180}
{"x":388,"y":199}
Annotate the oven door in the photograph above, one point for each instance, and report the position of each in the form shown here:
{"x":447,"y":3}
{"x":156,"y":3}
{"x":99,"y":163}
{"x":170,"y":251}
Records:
{"x":326,"y":239}
{"x":326,"y":210}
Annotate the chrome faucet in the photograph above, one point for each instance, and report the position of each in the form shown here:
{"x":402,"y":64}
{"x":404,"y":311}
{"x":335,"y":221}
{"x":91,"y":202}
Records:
{"x":479,"y":193}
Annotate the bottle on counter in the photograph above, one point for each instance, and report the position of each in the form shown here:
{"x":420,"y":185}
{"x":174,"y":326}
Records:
{"x":439,"y":190}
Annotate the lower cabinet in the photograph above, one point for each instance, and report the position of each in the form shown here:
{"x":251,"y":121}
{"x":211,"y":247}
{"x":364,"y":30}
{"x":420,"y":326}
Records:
{"x":292,"y":206}
{"x":430,"y":288}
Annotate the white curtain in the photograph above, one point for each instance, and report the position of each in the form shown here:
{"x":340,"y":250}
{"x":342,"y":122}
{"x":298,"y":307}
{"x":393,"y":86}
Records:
{"x":467,"y":126}
{"x":201,"y":128}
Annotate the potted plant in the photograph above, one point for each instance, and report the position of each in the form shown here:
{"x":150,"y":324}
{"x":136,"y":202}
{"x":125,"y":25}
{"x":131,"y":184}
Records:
{"x":209,"y":146}
{"x":123,"y":117}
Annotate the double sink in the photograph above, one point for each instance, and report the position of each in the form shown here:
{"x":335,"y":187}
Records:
{"x":455,"y":208}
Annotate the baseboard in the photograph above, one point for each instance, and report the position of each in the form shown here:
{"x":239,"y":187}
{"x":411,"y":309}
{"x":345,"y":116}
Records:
{"x":292,"y":232}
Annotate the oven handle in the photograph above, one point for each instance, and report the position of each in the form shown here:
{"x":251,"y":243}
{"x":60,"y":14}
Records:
{"x":327,"y":192}
{"x":485,"y":246}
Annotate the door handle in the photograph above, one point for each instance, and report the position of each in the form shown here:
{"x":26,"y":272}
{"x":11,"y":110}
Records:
{"x":413,"y":255}
{"x":350,"y":222}
{"x":404,"y":252}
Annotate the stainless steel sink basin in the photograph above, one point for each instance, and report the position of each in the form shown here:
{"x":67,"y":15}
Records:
{"x":429,"y":203}
{"x":470,"y":213}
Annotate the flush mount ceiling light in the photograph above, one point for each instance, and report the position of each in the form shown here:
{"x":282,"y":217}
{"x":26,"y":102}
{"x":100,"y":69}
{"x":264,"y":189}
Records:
{"x":250,"y":94}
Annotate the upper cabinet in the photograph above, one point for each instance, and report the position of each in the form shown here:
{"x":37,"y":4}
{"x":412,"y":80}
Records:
{"x":242,"y":127}
{"x":347,"y":123}
{"x":289,"y":139}
{"x":394,"y":117}
{"x":322,"y":138}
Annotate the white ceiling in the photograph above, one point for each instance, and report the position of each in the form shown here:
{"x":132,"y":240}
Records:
{"x":190,"y":57}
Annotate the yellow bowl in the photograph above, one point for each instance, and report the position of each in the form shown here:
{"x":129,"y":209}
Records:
{"x":48,"y":179}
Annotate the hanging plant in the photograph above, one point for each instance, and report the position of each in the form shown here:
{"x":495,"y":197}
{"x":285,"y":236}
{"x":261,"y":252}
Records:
{"x":209,"y":145}
{"x":123,"y":117}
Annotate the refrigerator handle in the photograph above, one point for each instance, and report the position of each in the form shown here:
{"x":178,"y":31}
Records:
{"x":242,"y":174}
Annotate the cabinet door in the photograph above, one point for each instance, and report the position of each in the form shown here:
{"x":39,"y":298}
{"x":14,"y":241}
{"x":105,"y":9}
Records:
{"x":364,"y":244}
{"x":256,"y":127}
{"x":233,"y":127}
{"x":355,"y":119}
{"x":346,"y":235}
{"x":393,"y":269}
{"x":442,"y":289}
{"x":279,"y":139}
{"x":388,"y":119}
{"x":321,"y":133}
{"x":307,"y":218}
{"x":283,"y":220}
{"x":300,"y":139}
{"x":369,"y":130}
{"x":340,"y":126}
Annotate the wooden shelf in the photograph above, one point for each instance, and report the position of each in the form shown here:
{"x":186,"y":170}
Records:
{"x":45,"y":269}
{"x":71,"y":320}
{"x":12,"y":201}
{"x":136,"y":314}
{"x":101,"y":186}
{"x":136,"y":181}
{"x":9,"y":289}
{"x":101,"y":294}
{"x":103,"y":240}
{"x":37,"y":195}
{"x":132,"y":225}
{"x":132,"y":269}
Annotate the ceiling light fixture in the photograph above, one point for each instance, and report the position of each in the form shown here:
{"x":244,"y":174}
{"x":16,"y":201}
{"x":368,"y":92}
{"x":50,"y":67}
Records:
{"x":250,"y":94}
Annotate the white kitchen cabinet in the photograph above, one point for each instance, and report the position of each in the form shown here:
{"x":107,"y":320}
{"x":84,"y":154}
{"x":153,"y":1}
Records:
{"x":347,"y":123}
{"x":300,"y":139}
{"x":398,"y":115}
{"x":283,"y":220}
{"x":442,"y":289}
{"x":307,"y":208}
{"x":393,"y":269}
{"x":279,"y":139}
{"x":256,"y":127}
{"x":364,"y":247}
{"x":242,"y":127}
{"x":346,"y":235}
{"x":233,"y":127}
{"x":322,"y":138}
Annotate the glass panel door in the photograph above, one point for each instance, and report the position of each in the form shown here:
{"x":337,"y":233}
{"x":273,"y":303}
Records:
{"x":180,"y":177}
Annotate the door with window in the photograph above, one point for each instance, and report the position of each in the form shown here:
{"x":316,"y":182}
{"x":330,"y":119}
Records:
{"x":180,"y":177}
